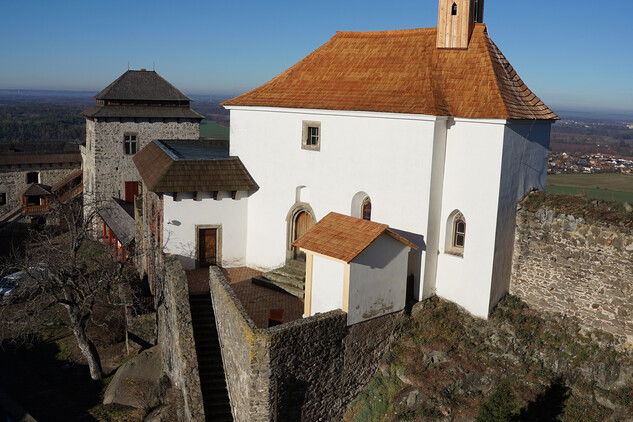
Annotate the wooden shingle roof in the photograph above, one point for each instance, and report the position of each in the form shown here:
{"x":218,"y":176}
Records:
{"x":343,"y":237}
{"x":144,"y":112}
{"x":119,"y":221}
{"x":141,"y":85}
{"x":191,"y":166}
{"x":36,"y":189}
{"x":403,"y":72}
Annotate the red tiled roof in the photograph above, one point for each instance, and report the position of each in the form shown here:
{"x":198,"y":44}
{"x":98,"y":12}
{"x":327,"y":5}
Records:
{"x":343,"y":237}
{"x":403,"y":72}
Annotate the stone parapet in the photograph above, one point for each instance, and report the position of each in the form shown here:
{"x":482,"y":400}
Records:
{"x":575,"y":268}
{"x":175,"y":336}
{"x":305,"y":370}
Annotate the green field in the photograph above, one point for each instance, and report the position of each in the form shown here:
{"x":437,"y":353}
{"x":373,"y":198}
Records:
{"x":211,"y":129}
{"x":605,"y":186}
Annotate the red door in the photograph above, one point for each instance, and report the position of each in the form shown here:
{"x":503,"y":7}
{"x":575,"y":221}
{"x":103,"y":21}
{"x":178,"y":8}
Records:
{"x":131,"y":190}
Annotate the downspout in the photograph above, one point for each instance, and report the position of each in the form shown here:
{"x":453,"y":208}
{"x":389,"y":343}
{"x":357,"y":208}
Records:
{"x":435,"y":206}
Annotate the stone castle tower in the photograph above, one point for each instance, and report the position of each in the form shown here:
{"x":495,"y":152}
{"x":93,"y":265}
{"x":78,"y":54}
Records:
{"x":130,"y":112}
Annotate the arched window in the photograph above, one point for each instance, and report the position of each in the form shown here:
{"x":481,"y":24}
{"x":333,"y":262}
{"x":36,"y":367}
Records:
{"x":454,"y":10}
{"x":460,"y":233}
{"x":455,"y":234}
{"x":365,"y":211}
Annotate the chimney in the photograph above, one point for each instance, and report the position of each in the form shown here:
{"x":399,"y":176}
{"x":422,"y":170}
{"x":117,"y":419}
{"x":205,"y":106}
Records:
{"x":456,"y":20}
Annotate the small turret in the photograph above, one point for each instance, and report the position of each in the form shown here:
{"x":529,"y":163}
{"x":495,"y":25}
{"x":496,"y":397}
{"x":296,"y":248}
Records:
{"x":456,"y":20}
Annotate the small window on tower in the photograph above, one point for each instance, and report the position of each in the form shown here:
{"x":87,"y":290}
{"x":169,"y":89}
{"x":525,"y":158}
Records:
{"x":32,"y":177}
{"x":129,"y":143}
{"x":454,"y":11}
{"x":3,"y":198}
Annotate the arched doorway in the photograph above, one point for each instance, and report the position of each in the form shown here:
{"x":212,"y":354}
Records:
{"x":300,"y":219}
{"x":303,"y":223}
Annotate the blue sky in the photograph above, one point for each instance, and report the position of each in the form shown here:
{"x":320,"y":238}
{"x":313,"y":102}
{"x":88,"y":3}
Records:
{"x":573,"y":54}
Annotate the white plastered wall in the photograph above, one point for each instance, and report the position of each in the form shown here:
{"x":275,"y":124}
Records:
{"x":471,"y":185}
{"x":386,"y":155}
{"x":181,"y":217}
{"x":378,"y":280}
{"x":524,"y":168}
{"x":327,"y":284}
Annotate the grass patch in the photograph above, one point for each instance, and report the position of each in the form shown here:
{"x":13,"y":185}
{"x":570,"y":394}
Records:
{"x":375,"y":402}
{"x":602,"y":194}
{"x":615,"y":182}
{"x":211,"y":129}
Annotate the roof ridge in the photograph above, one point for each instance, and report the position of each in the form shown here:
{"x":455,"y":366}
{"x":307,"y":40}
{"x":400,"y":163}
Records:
{"x":358,"y":34}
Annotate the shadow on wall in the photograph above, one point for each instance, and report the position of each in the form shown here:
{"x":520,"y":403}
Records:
{"x":415,"y":257}
{"x":293,"y":396}
{"x":378,"y":261}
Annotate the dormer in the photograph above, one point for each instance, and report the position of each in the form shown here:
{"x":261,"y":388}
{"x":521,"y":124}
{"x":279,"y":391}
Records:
{"x":456,"y":20}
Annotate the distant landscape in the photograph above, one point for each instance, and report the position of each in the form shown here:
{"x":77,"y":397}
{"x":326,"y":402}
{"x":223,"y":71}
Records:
{"x":41,"y":115}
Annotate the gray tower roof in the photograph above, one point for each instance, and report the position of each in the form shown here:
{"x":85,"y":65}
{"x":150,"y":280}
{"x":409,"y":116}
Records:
{"x":142,"y":94}
{"x":142,"y":85}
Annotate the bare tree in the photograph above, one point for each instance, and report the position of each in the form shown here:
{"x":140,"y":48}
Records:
{"x":65,"y":267}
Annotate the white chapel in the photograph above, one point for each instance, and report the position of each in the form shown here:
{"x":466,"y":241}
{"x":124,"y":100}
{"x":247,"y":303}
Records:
{"x":430,"y":132}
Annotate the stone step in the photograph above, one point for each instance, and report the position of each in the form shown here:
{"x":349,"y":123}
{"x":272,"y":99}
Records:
{"x":282,"y":279}
{"x":210,"y":368}
{"x":289,"y":271}
{"x":284,"y":288}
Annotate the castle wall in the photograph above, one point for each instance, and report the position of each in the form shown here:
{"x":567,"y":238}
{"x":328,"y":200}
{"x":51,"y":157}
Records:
{"x":13,"y":180}
{"x":107,"y":164}
{"x":305,"y":370}
{"x":175,"y":337}
{"x":579,"y":269}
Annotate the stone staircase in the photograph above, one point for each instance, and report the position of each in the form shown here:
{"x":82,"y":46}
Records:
{"x":290,"y":279}
{"x":212,"y":383}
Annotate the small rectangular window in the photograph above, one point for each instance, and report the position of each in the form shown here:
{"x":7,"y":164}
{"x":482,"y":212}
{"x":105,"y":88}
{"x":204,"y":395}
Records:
{"x":3,"y":198}
{"x":129,"y":143}
{"x":311,"y":136}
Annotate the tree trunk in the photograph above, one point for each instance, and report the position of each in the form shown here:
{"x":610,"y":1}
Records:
{"x":86,"y":346}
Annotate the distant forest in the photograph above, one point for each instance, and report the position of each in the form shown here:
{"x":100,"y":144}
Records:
{"x":58,"y":118}
{"x":35,"y":122}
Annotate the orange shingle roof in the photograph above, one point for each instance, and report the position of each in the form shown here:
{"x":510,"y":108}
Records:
{"x":343,"y":237}
{"x":403,"y":72}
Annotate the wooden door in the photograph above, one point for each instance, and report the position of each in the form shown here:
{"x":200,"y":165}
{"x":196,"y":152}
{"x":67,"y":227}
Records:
{"x":207,"y":243}
{"x":131,"y":190}
{"x":303,"y":223}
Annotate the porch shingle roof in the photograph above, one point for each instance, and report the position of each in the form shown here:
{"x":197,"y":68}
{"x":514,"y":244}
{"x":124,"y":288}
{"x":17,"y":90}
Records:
{"x":343,"y":237}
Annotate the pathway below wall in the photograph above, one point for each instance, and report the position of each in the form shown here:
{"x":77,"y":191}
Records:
{"x":258,"y":300}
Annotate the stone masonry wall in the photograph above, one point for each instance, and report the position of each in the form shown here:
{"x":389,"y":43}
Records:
{"x":13,"y":181}
{"x":579,"y":269}
{"x":111,"y":167}
{"x":175,"y":336}
{"x":305,"y":370}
